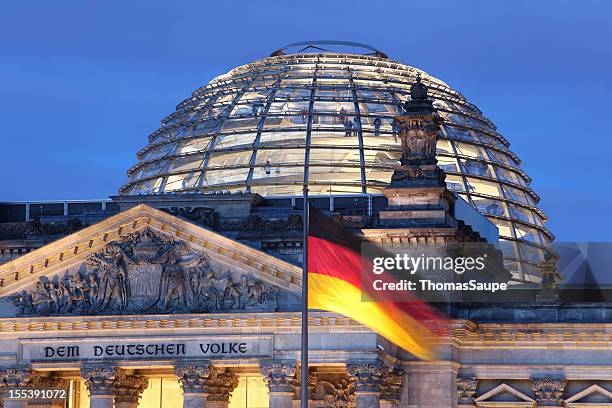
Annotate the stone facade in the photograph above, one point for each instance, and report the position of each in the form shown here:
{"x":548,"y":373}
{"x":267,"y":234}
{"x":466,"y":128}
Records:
{"x":538,"y":354}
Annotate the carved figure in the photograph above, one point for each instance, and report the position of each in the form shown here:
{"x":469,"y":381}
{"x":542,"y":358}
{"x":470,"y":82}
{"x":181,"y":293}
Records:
{"x":231,"y":296}
{"x":172,"y":282}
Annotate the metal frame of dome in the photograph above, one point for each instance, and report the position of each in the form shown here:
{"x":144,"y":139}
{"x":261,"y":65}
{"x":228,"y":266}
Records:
{"x":316,"y":46}
{"x":269,"y":125}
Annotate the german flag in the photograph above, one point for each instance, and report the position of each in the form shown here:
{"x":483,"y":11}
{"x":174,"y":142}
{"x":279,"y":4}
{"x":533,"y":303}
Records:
{"x":335,"y":284}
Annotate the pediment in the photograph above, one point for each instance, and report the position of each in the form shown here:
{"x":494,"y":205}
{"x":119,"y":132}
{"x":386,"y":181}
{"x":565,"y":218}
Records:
{"x":143,"y":260}
{"x":504,"y":396}
{"x":592,"y":396}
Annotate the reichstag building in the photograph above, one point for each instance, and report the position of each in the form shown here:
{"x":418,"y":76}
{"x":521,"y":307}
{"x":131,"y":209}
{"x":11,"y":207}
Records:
{"x":184,"y":288}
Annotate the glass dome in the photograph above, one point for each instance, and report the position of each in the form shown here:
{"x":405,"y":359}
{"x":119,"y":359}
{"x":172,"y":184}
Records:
{"x":252,"y":129}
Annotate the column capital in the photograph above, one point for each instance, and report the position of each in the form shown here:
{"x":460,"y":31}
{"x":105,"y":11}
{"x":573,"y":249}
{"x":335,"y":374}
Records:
{"x":548,"y":391}
{"x":100,"y":380}
{"x":221,"y":386}
{"x":195,"y":379}
{"x":129,"y":388}
{"x":15,"y":377}
{"x":466,"y":388}
{"x":280,"y":377}
{"x":368,"y":377}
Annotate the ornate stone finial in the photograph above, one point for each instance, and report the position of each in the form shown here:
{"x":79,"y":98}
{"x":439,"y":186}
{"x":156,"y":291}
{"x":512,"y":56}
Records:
{"x":368,"y":377}
{"x":280,"y":378}
{"x":418,"y":129}
{"x":100,"y":380}
{"x":419,"y":103}
{"x":222,"y":386}
{"x":466,"y":388}
{"x":15,"y":377}
{"x":129,"y":388}
{"x":549,"y":391}
{"x":196,"y":379}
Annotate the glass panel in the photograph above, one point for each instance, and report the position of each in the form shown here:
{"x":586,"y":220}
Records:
{"x":377,"y":158}
{"x":526,"y":233}
{"x":186,"y":163}
{"x":222,"y":159}
{"x":448,"y":164}
{"x":470,"y":150}
{"x":194,"y":145}
{"x":454,"y":183}
{"x":484,"y":187}
{"x":334,"y":138}
{"x":476,"y":167}
{"x":212,"y":177}
{"x":489,"y":206}
{"x":234,"y":140}
{"x":503,"y":227}
{"x":520,"y":213}
{"x":240,"y":123}
{"x":286,"y":138}
{"x":159,"y":151}
{"x":280,"y":156}
{"x":285,"y":121}
{"x":181,"y":181}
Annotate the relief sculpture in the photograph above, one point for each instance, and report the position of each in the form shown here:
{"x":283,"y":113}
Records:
{"x":146,"y":272}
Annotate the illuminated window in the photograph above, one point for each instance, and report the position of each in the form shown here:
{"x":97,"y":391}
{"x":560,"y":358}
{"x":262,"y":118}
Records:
{"x":251,"y":392}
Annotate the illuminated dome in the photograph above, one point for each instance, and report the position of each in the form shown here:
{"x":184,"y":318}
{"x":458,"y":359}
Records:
{"x":252,"y":128}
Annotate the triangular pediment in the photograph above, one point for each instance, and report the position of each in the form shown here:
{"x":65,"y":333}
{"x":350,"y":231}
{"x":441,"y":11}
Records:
{"x":504,"y":396}
{"x":147,"y":253}
{"x":592,"y":396}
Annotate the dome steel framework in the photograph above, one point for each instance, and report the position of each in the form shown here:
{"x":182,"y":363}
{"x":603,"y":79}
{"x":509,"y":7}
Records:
{"x":253,"y":128}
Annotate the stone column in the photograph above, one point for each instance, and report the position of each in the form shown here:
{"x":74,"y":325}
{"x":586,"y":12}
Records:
{"x":281,"y":380}
{"x":195,"y":382}
{"x":128,"y":389}
{"x":14,"y":378}
{"x":222,"y":384}
{"x":100,"y":382}
{"x":368,"y":379}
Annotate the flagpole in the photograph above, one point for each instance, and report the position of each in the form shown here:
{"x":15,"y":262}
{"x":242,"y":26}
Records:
{"x":304,"y":354}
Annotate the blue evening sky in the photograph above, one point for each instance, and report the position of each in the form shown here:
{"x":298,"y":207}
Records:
{"x":83,"y":83}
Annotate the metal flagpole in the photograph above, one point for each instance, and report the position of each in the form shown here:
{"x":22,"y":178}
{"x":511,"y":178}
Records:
{"x":304,"y":354}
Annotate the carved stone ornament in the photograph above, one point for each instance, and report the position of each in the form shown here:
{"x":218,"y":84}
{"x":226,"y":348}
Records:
{"x":15,"y":377}
{"x":196,"y":379}
{"x":100,"y":380}
{"x":14,"y":230}
{"x":368,"y":377}
{"x":392,"y":386}
{"x":206,"y":217}
{"x":221,"y":386}
{"x":281,"y":378}
{"x":39,"y":381}
{"x":548,"y":391}
{"x":146,"y":272}
{"x":335,"y":392}
{"x":466,"y":388}
{"x":256,"y":223}
{"x":129,"y":388}
{"x":418,"y":131}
